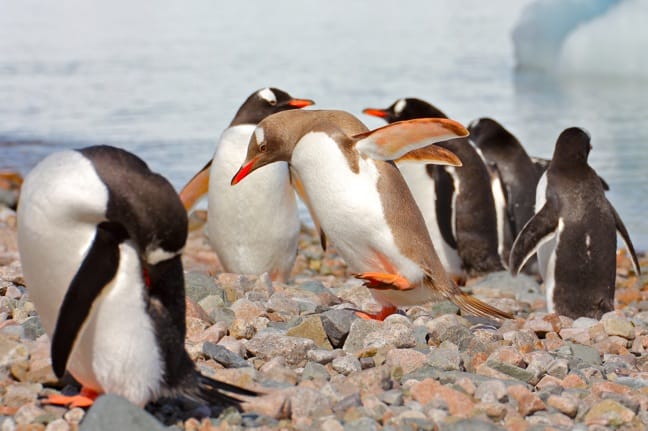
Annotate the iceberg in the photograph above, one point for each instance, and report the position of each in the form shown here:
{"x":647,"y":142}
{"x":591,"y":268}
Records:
{"x":604,"y":38}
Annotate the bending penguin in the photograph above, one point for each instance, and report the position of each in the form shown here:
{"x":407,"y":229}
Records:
{"x":574,"y":233}
{"x":254,"y":228}
{"x":100,"y":238}
{"x":456,"y":203}
{"x":362,"y":201}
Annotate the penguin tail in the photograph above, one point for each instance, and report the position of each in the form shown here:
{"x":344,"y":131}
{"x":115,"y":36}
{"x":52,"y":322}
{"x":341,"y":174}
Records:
{"x":217,"y":393}
{"x":471,"y":305}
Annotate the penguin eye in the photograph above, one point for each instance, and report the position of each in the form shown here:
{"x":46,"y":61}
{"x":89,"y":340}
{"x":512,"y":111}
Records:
{"x":263,"y":148}
{"x":272,"y":102}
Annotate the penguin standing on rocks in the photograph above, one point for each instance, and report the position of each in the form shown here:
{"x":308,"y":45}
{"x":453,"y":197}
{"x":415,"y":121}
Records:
{"x":254,"y":228}
{"x":457,"y":203}
{"x":514,"y":177}
{"x":100,"y":238}
{"x":576,"y":225}
{"x":362,"y":201}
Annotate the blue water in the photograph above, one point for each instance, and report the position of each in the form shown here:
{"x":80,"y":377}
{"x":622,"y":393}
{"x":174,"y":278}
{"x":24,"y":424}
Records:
{"x":163,"y":78}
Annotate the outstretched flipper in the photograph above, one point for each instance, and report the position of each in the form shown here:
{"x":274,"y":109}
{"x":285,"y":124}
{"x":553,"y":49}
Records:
{"x":97,"y":270}
{"x":196,"y":188}
{"x":395,"y":140}
{"x":626,"y":239}
{"x":536,"y":232}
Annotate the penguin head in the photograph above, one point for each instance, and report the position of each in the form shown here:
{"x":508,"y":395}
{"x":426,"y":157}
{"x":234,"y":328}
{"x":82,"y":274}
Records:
{"x":573,"y":145}
{"x":265,"y":102}
{"x":406,"y":109}
{"x":486,"y":132}
{"x":268,"y":144}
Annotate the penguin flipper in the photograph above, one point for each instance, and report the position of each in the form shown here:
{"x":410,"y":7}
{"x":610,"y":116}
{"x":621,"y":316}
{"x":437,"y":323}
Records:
{"x":536,"y":232}
{"x":97,"y":269}
{"x":626,"y":239}
{"x":432,"y":154}
{"x":393,"y":141}
{"x":196,"y":188}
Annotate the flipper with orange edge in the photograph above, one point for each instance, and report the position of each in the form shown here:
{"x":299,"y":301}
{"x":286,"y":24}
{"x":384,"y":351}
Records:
{"x":384,"y":281}
{"x":393,"y":141}
{"x":196,"y":188}
{"x":84,"y":399}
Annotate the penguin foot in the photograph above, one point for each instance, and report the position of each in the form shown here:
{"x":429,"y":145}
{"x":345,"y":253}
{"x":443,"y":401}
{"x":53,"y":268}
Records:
{"x":381,"y":315}
{"x":84,"y":399}
{"x":383,"y":281}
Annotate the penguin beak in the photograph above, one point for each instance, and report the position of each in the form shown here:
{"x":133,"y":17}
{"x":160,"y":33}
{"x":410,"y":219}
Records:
{"x":380,"y":113}
{"x":300,"y":103}
{"x":196,"y":188}
{"x":244,"y":171}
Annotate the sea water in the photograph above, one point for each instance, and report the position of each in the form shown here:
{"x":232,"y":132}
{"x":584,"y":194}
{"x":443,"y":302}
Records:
{"x":164,"y":78}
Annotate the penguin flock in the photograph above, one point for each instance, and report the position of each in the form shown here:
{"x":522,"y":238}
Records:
{"x":413,"y":207}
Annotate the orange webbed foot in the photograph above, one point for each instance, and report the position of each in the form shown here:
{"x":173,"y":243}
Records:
{"x":381,"y":315}
{"x":84,"y":399}
{"x":384,"y":281}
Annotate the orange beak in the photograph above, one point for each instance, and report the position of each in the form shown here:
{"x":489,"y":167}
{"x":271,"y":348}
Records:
{"x":380,"y":113}
{"x":300,"y":103}
{"x":243,"y":172}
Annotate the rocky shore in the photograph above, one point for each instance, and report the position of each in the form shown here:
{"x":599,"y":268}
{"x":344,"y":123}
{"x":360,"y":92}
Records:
{"x":322,"y":368}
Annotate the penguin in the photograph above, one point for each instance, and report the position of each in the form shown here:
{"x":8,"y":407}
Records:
{"x":518,"y":173}
{"x":362,"y":201}
{"x":253,"y":229}
{"x":100,"y":238}
{"x":577,"y":227}
{"x":457,"y":204}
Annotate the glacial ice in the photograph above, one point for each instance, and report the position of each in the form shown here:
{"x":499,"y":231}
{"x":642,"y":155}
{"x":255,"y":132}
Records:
{"x":605,"y":38}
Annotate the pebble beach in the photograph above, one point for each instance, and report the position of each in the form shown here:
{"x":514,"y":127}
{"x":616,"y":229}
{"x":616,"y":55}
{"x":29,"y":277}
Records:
{"x":320,"y":367}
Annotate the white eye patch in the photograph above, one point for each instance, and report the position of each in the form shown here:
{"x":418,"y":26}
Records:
{"x":400,"y":105}
{"x":268,"y":95}
{"x":259,"y":135}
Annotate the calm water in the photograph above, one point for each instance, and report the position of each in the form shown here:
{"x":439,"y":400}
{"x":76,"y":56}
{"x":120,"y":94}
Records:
{"x":163,"y":78}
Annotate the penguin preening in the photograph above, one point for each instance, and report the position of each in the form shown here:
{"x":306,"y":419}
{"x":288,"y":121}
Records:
{"x":100,"y":238}
{"x":254,"y":228}
{"x":456,"y":203}
{"x":361,"y":200}
{"x":574,"y":233}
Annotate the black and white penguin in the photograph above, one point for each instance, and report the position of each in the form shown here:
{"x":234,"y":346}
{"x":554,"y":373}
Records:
{"x":254,"y":228}
{"x":514,"y":175}
{"x":457,"y":203}
{"x":100,"y":238}
{"x":574,"y":233}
